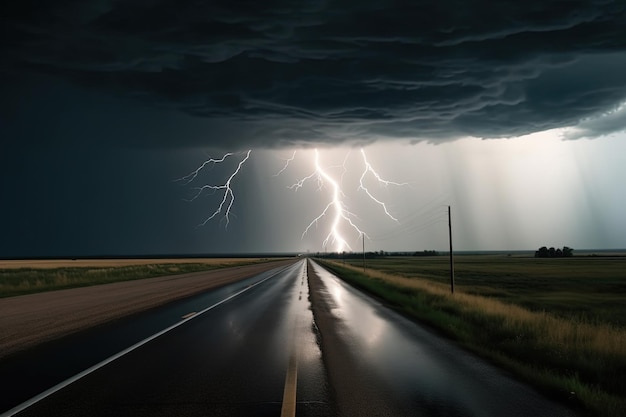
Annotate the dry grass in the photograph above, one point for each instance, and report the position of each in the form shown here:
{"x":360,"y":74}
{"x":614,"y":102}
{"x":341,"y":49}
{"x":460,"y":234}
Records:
{"x":27,"y":277}
{"x":560,"y":354}
{"x":29,"y":320}
{"x":576,"y":335}
{"x":588,"y":288}
{"x":114,"y":263}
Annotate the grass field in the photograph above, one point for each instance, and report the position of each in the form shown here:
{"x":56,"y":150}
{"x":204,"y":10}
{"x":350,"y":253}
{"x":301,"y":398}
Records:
{"x":591,"y":289}
{"x":27,"y":277}
{"x":558,"y":323}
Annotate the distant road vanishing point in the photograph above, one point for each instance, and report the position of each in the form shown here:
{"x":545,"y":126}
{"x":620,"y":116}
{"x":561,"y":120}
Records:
{"x":294,"y":340}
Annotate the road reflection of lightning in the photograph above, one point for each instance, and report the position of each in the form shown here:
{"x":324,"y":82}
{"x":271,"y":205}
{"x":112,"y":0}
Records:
{"x":228,"y":198}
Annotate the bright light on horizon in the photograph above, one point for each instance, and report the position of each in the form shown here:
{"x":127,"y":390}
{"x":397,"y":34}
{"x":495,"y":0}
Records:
{"x":506,"y":194}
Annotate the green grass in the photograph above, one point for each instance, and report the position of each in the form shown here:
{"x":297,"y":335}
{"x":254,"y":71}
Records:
{"x":21,"y":281}
{"x":556,"y":351}
{"x":592,"y":289}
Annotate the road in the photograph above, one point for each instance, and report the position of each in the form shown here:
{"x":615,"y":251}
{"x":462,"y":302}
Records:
{"x":292,"y":341}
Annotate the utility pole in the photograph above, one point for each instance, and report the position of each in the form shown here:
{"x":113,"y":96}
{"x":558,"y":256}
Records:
{"x":363,"y":235}
{"x":451,"y":256}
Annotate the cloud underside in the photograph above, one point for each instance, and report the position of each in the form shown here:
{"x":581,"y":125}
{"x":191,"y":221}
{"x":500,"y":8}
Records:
{"x":298,"y":72}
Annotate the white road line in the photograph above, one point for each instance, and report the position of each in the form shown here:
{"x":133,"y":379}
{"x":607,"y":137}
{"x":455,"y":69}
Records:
{"x":61,"y":385}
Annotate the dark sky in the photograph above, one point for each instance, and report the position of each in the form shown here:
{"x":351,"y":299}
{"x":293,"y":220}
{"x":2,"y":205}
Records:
{"x":105,"y":103}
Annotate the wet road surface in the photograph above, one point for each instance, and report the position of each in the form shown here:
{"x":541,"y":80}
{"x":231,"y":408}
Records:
{"x":232,"y":360}
{"x":255,"y":349}
{"x":381,"y":363}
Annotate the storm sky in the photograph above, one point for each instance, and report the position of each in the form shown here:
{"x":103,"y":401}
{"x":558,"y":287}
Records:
{"x":510,"y":112}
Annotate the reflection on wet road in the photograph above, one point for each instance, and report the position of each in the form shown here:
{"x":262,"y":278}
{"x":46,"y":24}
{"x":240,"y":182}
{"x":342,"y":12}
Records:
{"x":419,"y":373}
{"x":292,"y":341}
{"x":229,"y":361}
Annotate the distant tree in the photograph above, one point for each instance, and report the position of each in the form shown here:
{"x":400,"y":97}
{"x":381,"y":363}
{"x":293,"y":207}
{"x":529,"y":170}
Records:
{"x":544,"y":252}
{"x":426,"y":253}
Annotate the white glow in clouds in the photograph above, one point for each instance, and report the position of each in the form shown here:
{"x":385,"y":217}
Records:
{"x":513,"y":194}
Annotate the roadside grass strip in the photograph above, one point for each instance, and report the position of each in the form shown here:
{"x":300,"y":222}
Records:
{"x":580,"y":362}
{"x":22,"y":281}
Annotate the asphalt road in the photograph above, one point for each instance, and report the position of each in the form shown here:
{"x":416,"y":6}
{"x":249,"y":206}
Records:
{"x":380,"y":363}
{"x":254,"y":348}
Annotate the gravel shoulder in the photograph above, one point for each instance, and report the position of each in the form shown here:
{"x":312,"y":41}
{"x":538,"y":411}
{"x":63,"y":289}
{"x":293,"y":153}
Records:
{"x":28,"y":320}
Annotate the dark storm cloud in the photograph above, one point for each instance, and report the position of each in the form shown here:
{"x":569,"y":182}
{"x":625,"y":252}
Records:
{"x":284,"y":72}
{"x":603,"y":125}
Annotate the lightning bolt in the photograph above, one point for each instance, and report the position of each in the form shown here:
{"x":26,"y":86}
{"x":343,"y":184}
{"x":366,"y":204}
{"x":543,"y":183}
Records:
{"x":193,"y":174}
{"x":287,"y":161}
{"x":228,"y":198}
{"x":368,"y":168}
{"x":342,"y":216}
{"x":336,"y":208}
{"x":336,"y":203}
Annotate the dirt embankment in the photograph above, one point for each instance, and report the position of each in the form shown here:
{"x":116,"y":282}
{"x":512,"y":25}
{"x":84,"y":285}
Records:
{"x":28,"y":320}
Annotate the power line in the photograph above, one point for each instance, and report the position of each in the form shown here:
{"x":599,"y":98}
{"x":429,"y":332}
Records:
{"x":427,"y":220}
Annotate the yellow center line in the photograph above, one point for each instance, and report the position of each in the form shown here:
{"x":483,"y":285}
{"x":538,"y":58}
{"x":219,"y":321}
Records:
{"x":288,"y":408}
{"x":289,"y":394}
{"x":186,"y":316}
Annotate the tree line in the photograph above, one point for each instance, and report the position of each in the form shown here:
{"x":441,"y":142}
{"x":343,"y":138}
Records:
{"x":372,"y":254}
{"x":545,"y":252}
